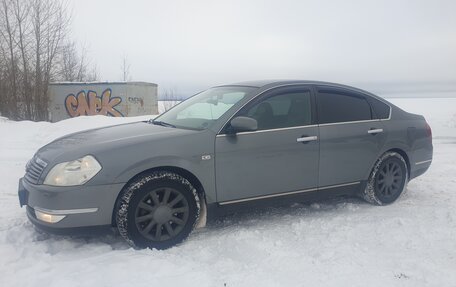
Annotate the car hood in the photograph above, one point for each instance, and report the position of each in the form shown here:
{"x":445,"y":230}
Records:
{"x":89,"y":141}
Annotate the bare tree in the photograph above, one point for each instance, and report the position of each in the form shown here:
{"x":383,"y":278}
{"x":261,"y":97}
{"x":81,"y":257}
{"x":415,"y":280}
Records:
{"x":169,"y":99}
{"x":93,"y":74}
{"x":50,"y":26}
{"x":32,"y":36}
{"x":3,"y":82}
{"x":70,"y":65}
{"x":35,"y":49}
{"x":21,"y":11}
{"x":74,"y":65}
{"x":8,"y":33}
{"x":125,"y":69}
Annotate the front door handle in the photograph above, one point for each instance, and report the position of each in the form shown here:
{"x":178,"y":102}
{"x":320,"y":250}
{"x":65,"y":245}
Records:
{"x":374,"y":131}
{"x":306,"y":139}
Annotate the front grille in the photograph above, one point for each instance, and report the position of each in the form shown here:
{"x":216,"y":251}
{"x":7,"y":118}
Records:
{"x":34,"y":169}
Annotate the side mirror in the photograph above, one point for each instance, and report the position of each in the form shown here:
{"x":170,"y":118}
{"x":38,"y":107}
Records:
{"x":243,"y":124}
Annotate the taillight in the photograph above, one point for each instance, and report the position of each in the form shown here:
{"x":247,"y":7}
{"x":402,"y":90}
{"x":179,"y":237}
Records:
{"x":428,"y":130}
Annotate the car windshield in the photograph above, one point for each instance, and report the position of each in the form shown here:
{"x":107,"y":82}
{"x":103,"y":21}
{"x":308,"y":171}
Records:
{"x":202,"y":110}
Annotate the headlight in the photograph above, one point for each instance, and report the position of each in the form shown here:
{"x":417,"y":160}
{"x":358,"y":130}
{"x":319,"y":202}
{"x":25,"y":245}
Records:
{"x":76,"y":172}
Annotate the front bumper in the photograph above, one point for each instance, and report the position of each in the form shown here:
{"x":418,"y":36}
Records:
{"x":84,"y":230}
{"x":68,"y":207}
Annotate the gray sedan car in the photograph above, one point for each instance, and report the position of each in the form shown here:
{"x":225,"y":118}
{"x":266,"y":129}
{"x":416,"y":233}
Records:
{"x":228,"y":148}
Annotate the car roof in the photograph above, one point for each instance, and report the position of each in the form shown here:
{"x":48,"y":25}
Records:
{"x":268,"y":84}
{"x":273,"y":83}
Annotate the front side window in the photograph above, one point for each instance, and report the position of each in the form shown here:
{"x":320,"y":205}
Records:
{"x":202,"y":110}
{"x":283,"y":110}
{"x":336,"y":107}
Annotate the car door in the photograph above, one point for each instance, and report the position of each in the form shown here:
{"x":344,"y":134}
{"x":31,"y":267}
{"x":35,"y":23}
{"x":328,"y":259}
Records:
{"x":350,"y":136}
{"x":281,"y":157}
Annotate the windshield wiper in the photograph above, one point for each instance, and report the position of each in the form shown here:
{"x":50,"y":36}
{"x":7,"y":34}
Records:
{"x":163,"y":124}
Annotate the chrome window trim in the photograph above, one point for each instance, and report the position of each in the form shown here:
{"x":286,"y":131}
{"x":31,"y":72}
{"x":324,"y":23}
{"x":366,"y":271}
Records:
{"x":300,"y":127}
{"x":351,"y":122}
{"x":66,"y":211}
{"x":286,"y":193}
{"x":269,"y":130}
{"x":424,"y":161}
{"x":310,"y":87}
{"x":391,"y":111}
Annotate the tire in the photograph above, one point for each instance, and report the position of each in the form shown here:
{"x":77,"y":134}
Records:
{"x":157,"y":210}
{"x":388,"y":179}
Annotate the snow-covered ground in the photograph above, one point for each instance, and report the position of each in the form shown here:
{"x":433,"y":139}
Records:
{"x":337,"y":242}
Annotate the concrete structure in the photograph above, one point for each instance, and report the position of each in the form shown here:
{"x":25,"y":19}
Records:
{"x":117,"y":99}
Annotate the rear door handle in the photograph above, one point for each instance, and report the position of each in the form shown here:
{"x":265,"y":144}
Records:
{"x":306,"y":139}
{"x":375,"y":131}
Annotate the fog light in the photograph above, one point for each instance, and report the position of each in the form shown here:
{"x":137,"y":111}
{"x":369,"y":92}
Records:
{"x":49,"y":218}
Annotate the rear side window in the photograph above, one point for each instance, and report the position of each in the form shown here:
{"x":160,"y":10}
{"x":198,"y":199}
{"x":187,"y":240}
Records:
{"x":340,"y":106}
{"x":381,"y":110}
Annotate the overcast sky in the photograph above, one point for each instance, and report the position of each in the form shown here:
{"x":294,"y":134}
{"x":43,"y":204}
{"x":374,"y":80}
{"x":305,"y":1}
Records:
{"x":191,"y":45}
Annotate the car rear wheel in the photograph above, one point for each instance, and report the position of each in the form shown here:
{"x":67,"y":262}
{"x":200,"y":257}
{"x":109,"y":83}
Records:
{"x":158,"y":210}
{"x":387,"y":180}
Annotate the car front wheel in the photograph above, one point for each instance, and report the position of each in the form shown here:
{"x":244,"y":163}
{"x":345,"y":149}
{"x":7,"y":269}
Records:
{"x":387,"y":180}
{"x":158,"y":210}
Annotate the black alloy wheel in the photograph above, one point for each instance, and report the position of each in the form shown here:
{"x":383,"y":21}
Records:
{"x":157,"y":210}
{"x":387,"y":180}
{"x":390,"y":180}
{"x":161,"y":214}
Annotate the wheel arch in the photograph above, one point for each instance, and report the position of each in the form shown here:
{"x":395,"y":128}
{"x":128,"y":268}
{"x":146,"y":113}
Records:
{"x":196,"y":183}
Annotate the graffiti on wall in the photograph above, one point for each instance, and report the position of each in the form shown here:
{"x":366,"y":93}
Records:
{"x":136,"y":100}
{"x":91,"y":104}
